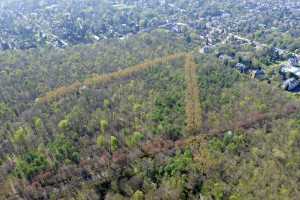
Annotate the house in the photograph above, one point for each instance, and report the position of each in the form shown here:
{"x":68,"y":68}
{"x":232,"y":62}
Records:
{"x":279,"y":51}
{"x":257,"y":74}
{"x":4,"y":45}
{"x":242,"y":68}
{"x":225,"y":57}
{"x":179,"y":27}
{"x":290,"y":69}
{"x":206,"y":49}
{"x":290,"y":84}
{"x":293,"y":61}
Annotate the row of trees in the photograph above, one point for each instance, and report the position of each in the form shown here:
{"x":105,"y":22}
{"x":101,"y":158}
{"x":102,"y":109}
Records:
{"x":100,"y":80}
{"x":193,"y":108}
{"x":192,"y":101}
{"x":27,"y":75}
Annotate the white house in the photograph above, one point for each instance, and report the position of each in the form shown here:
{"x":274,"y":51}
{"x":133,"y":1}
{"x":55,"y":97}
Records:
{"x":290,"y":84}
{"x":291,"y":69}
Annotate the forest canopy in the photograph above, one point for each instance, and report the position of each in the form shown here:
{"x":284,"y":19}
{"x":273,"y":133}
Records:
{"x":158,"y":100}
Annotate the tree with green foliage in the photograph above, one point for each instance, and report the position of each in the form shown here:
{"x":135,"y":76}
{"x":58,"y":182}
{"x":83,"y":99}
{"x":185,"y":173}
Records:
{"x":64,"y":124}
{"x":114,"y":144}
{"x":179,"y":164}
{"x":103,"y":126}
{"x":134,"y":139}
{"x":21,"y":138}
{"x":30,"y":164}
{"x":100,"y":141}
{"x":63,"y":150}
{"x":138,"y":195}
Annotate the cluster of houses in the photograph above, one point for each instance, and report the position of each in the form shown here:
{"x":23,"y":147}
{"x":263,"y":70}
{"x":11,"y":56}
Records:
{"x":290,"y":74}
{"x":255,"y":73}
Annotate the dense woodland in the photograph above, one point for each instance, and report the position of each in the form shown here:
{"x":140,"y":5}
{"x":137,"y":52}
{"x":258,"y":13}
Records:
{"x":135,"y":137}
{"x":150,"y":116}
